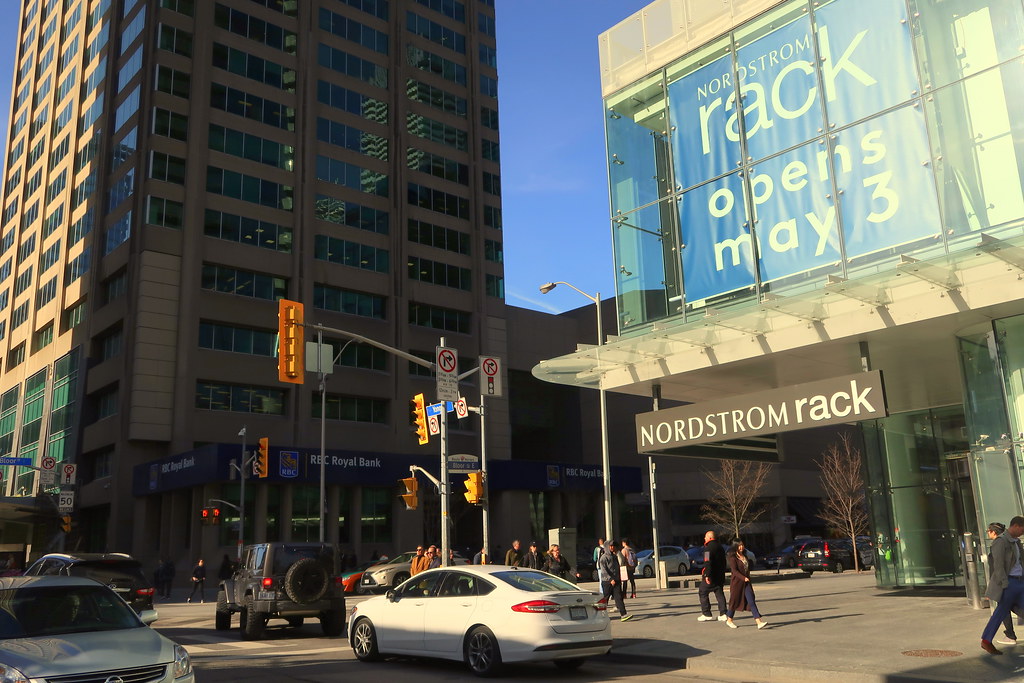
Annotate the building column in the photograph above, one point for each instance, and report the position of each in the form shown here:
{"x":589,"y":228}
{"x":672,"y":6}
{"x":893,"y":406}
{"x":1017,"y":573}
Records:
{"x":259,"y":515}
{"x":284,"y":515}
{"x":331,"y":530}
{"x":355,"y":524}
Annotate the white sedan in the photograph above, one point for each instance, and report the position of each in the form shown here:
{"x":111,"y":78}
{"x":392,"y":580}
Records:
{"x":673,"y":556}
{"x":484,"y":615}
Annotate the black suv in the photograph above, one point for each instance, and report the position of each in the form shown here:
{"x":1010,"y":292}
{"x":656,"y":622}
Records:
{"x":287,"y":581}
{"x":120,"y":572}
{"x":825,"y":555}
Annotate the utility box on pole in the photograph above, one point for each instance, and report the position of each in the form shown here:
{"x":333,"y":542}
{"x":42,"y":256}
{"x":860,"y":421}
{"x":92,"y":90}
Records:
{"x":565,"y":539}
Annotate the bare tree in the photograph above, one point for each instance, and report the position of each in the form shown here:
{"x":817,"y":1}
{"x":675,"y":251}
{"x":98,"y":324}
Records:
{"x":734,"y":488}
{"x":844,"y":508}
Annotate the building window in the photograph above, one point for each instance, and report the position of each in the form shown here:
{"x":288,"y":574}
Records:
{"x":352,"y":408}
{"x":165,"y":212}
{"x":438,"y":273}
{"x":352,"y":30}
{"x":46,"y":293}
{"x":248,"y":188}
{"x":495,"y":286}
{"x":437,"y":166}
{"x":243,"y":282}
{"x":168,"y":168}
{"x":251,"y":147}
{"x":109,"y":345}
{"x":348,"y":301}
{"x":438,"y":236}
{"x":376,"y":516}
{"x":436,"y":200}
{"x":435,"y":33}
{"x":492,"y":217}
{"x":73,"y":316}
{"x":106,"y":402}
{"x":250,"y":231}
{"x":239,"y":398}
{"x":174,"y":40}
{"x":186,"y":7}
{"x":250,"y":66}
{"x":350,"y":138}
{"x":118,"y":233}
{"x":418,"y":91}
{"x":251,"y":106}
{"x":16,"y":356}
{"x":439,"y":318}
{"x":350,"y":65}
{"x":342,"y":212}
{"x":170,"y":124}
{"x":436,"y":131}
{"x":352,"y":102}
{"x":254,"y":28}
{"x":42,"y":338}
{"x":351,"y":254}
{"x":8,"y":418}
{"x":351,"y":176}
{"x":220,"y":337}
{"x":435,"y":64}
{"x":172,"y":81}
{"x":115,"y":286}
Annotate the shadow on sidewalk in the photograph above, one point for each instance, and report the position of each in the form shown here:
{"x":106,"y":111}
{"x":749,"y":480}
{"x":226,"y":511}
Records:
{"x":665,"y":653}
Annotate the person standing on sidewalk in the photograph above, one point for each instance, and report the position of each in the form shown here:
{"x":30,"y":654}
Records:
{"x":712,"y":578}
{"x":419,"y":563}
{"x":514,"y":554}
{"x":598,"y":551}
{"x":556,"y":564}
{"x":741,"y":593}
{"x":609,"y":568}
{"x":629,"y":560}
{"x":995,"y":530}
{"x":1006,"y":582}
{"x":533,"y":559}
{"x":198,"y":581}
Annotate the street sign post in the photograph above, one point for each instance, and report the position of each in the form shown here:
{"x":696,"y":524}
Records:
{"x":490,"y":376}
{"x":447,"y":372}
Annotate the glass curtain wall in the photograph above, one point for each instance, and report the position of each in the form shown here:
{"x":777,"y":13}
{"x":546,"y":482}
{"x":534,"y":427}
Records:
{"x":821,"y":138}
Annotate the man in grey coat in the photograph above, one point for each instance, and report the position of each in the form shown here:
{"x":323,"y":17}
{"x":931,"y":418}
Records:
{"x":608,"y":565}
{"x":1006,"y":583}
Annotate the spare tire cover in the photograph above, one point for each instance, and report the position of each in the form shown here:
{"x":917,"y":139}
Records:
{"x":306,"y":581}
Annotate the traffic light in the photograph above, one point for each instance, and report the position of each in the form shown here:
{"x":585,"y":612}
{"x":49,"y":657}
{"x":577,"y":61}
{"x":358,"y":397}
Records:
{"x":261,"y":464}
{"x":419,"y":417}
{"x":291,"y":350}
{"x":208,"y":517}
{"x":475,"y":487}
{"x":65,"y":524}
{"x":410,"y":497}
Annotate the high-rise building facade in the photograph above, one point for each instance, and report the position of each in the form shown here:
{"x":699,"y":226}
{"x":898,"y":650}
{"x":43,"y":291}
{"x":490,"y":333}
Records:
{"x":174,"y":168}
{"x":802,"y":191}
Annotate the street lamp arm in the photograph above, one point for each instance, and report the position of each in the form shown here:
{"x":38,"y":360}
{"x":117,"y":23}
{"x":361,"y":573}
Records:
{"x":224,"y":502}
{"x":547,"y":287}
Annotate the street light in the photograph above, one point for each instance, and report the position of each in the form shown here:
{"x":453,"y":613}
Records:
{"x":241,"y":496}
{"x":606,"y":467}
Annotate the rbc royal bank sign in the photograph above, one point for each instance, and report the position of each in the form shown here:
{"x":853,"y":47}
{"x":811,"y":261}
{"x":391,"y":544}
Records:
{"x":822,"y":157}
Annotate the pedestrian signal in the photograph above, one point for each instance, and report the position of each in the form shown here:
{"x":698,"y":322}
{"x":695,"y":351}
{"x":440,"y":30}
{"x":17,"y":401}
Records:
{"x":410,"y":497}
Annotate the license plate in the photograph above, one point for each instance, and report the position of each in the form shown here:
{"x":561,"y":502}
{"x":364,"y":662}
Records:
{"x":577,"y":613}
{"x":265,"y":595}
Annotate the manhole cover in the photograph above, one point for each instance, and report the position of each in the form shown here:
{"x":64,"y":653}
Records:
{"x":933,"y":653}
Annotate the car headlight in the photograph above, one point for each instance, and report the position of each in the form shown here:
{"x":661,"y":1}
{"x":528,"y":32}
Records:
{"x":8,"y":674}
{"x":182,"y":664}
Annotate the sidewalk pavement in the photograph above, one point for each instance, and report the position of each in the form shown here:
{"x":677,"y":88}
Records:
{"x":827,"y":627}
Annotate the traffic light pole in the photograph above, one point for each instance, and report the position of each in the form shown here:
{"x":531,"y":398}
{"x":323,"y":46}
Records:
{"x":442,"y":421}
{"x":241,"y":495}
{"x":485,"y":512}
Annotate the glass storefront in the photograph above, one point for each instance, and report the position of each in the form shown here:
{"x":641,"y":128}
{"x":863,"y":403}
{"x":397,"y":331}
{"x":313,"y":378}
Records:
{"x":821,"y":138}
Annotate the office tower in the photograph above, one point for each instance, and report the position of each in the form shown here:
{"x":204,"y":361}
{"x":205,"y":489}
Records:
{"x":175,"y":168}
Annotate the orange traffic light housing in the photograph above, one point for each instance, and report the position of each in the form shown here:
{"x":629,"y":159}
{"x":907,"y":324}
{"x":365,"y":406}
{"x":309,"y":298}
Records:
{"x":291,"y":349}
{"x":475,"y":488}
{"x":419,"y":418}
{"x":410,"y":497}
{"x":261,"y":465}
{"x":65,"y":524}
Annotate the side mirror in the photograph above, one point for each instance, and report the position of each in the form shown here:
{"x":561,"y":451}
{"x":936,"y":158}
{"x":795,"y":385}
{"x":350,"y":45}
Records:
{"x":391,"y":596}
{"x":148,"y":616}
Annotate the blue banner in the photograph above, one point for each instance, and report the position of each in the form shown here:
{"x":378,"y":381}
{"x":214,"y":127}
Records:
{"x":703,"y":112}
{"x":883,"y":170}
{"x":781,"y":101}
{"x":797,"y":228}
{"x":867,"y":58}
{"x":717,"y":253}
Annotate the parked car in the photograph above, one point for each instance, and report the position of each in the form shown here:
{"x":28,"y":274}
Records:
{"x":676,"y":558}
{"x":352,"y":579}
{"x":283,"y":580}
{"x":64,"y":628}
{"x":785,"y":555}
{"x":824,"y":555}
{"x":696,"y":555}
{"x":119,"y":571}
{"x":392,"y":572}
{"x":483,"y":615}
{"x":865,"y":551}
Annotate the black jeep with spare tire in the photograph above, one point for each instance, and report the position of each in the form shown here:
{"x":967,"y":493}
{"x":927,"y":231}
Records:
{"x":289,"y":581}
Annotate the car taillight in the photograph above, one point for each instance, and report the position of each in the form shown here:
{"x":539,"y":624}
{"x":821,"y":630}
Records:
{"x":146,"y":591}
{"x":537,"y":607}
{"x":268,"y":582}
{"x":827,"y":554}
{"x":601,"y":605}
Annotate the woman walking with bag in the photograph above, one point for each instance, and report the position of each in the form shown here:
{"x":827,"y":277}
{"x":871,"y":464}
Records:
{"x":741,"y":592}
{"x":629,"y":562}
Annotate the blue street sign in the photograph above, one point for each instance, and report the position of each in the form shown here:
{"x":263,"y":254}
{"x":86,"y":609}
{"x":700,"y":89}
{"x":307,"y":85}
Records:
{"x":435,"y":408}
{"x":20,"y":462}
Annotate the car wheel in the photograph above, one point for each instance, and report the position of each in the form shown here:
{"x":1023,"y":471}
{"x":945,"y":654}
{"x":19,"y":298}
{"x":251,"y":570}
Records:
{"x":808,"y":571}
{"x":332,"y":623}
{"x":364,"y":641}
{"x":648,"y":572}
{"x":570,"y":664}
{"x":838,"y":568}
{"x":222,"y":617}
{"x":295,"y":622}
{"x":681,"y":570}
{"x":253,"y":623}
{"x":481,"y":652}
{"x":306,"y":581}
{"x":400,"y":578}
{"x":791,"y":563}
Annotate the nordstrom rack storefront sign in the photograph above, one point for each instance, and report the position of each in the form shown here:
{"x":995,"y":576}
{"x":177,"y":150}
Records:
{"x":832,"y":401}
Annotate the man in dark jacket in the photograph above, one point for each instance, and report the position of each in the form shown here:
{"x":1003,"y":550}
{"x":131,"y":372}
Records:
{"x":608,"y":564}
{"x":712,"y":578}
{"x":514,"y":554}
{"x":1006,"y":583}
{"x":533,"y":559}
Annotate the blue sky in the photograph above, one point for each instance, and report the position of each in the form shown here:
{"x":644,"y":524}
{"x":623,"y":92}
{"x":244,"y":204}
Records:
{"x":554,"y":179}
